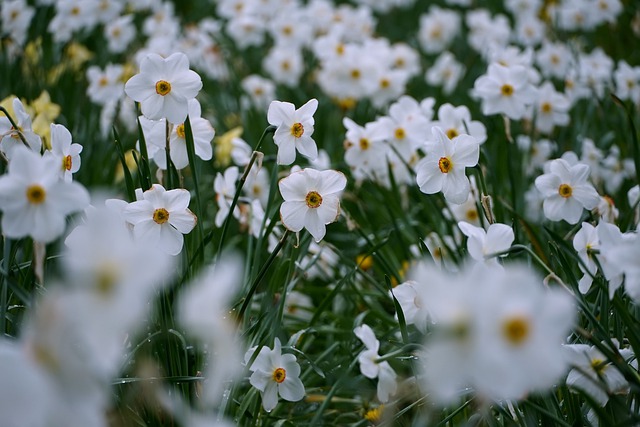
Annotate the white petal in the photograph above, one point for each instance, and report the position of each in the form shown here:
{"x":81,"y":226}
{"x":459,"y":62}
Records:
{"x":314,"y":225}
{"x":293,"y":215}
{"x":171,"y":240}
{"x":291,"y":389}
{"x":184,"y":221}
{"x":331,"y":182}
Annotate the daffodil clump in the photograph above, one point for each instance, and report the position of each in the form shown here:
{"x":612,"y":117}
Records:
{"x":319,"y":212}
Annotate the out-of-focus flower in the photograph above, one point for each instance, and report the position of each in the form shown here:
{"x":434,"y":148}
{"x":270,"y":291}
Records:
{"x":294,"y":130}
{"x":480,"y":243}
{"x":9,"y":137}
{"x":64,"y":152}
{"x":34,"y":200}
{"x":443,"y":169}
{"x":162,"y":217}
{"x":593,"y":374}
{"x":311,"y":200}
{"x":566,"y":191}
{"x":505,"y":90}
{"x":371,"y":368}
{"x":275,"y":374}
{"x":164,"y":87}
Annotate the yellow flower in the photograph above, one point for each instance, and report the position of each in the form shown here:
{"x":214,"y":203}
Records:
{"x":374,"y":415}
{"x":7,"y":104}
{"x":77,"y":55}
{"x":224,"y":146}
{"x":43,"y":106}
{"x":131,"y":165}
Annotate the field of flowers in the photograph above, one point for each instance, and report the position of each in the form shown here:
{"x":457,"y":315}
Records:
{"x":319,"y":213}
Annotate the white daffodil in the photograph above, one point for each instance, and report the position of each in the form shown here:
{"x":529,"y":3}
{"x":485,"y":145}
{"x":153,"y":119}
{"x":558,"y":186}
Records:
{"x":9,"y":137}
{"x":164,"y":87}
{"x":34,"y":200}
{"x":443,"y":169}
{"x":505,"y":90}
{"x":162,"y":217}
{"x":275,"y":374}
{"x":480,"y":243}
{"x":294,"y":131}
{"x":371,"y":368}
{"x":64,"y":152}
{"x":566,"y":191}
{"x":311,"y":200}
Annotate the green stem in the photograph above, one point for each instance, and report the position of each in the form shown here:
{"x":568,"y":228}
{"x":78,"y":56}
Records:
{"x":239,"y":186}
{"x":192,"y":161}
{"x":261,"y":274}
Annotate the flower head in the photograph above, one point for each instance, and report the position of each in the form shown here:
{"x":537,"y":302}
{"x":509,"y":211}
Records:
{"x":275,"y":374}
{"x":164,"y":87}
{"x":443,"y":167}
{"x":311,"y":200}
{"x":294,"y":131}
{"x":162,"y":217}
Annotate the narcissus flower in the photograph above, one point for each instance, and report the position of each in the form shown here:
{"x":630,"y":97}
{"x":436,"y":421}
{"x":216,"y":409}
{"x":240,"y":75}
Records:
{"x":311,"y":200}
{"x":64,"y":152}
{"x":34,"y":200}
{"x":371,"y":368}
{"x":162,"y":217}
{"x":295,"y":128}
{"x":9,"y":137}
{"x":164,"y":87}
{"x":275,"y":374}
{"x":566,"y":191}
{"x":443,"y":169}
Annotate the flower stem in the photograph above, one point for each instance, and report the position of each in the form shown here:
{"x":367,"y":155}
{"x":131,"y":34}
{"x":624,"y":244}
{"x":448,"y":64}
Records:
{"x":261,"y":274}
{"x":239,"y":185}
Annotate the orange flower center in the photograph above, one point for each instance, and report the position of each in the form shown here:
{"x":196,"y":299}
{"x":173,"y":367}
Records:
{"x":516,"y":330}
{"x":506,"y":90}
{"x":445,"y":164}
{"x":36,"y":194}
{"x":279,"y":375}
{"x":297,"y":130}
{"x":163,"y":87}
{"x":313,"y":199}
{"x":565,"y":190}
{"x":160,"y":216}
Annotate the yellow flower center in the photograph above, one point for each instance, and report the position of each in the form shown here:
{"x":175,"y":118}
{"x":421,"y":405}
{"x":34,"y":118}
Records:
{"x":285,"y":65}
{"x":180,"y":131}
{"x":67,"y":163}
{"x":297,"y":130}
{"x":471,"y":215}
{"x":313,"y":199}
{"x":546,"y":108}
{"x":36,"y":194}
{"x":364,"y":144}
{"x":163,"y":87}
{"x":516,"y":330}
{"x":355,"y":74}
{"x":103,"y":81}
{"x":106,"y":279}
{"x":279,"y":375}
{"x":385,"y":83}
{"x":399,"y":133}
{"x":445,"y":164}
{"x":598,"y":365}
{"x":565,"y":190}
{"x":506,"y":90}
{"x":160,"y":216}
{"x":452,"y":133}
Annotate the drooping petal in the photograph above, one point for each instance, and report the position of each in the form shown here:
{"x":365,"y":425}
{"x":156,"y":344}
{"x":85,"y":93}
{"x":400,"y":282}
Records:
{"x":184,"y":221}
{"x":314,"y":225}
{"x":293,"y":215}
{"x":270,"y":396}
{"x":291,"y":388}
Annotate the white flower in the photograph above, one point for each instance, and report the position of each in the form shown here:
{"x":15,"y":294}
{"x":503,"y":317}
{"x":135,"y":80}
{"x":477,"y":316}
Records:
{"x":410,"y":300}
{"x":162,"y":217}
{"x":480,"y":243}
{"x":9,"y":137}
{"x":369,"y":366}
{"x":443,"y":169}
{"x":164,"y":87}
{"x":311,"y":200}
{"x":64,"y":152}
{"x":593,"y":373}
{"x":275,"y":374}
{"x":294,"y":131}
{"x":566,"y":191}
{"x":505,"y":90}
{"x":34,"y":200}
